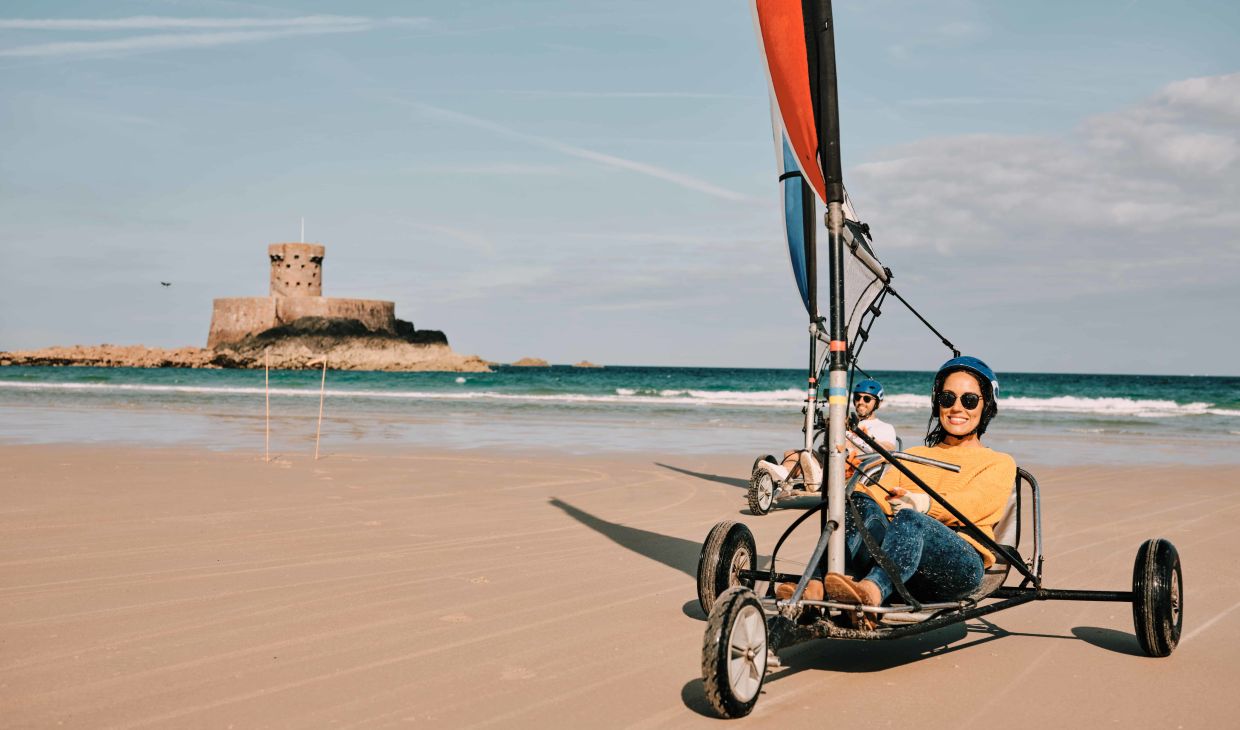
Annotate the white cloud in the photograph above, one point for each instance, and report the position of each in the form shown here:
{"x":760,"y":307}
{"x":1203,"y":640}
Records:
{"x":1133,"y":171}
{"x":1138,"y":199}
{"x":1216,"y":96}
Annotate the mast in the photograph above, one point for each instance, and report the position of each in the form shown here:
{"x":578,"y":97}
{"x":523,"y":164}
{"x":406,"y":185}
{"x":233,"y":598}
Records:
{"x":824,"y":90}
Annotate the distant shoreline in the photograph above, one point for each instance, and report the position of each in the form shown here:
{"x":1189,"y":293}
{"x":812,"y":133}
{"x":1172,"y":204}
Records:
{"x":295,"y":354}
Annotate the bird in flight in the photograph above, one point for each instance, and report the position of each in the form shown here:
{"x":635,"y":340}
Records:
{"x":166,"y":283}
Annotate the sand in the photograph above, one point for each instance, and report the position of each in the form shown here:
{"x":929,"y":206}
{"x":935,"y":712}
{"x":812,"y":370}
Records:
{"x":175,"y":588}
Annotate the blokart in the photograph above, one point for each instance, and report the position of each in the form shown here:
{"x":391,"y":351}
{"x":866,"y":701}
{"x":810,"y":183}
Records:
{"x":746,"y":631}
{"x":770,"y":483}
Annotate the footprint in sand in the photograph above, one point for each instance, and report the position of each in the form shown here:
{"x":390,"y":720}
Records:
{"x":456,"y":618}
{"x":480,"y":580}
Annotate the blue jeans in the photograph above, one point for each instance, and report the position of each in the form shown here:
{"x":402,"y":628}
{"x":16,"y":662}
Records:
{"x":934,"y":562}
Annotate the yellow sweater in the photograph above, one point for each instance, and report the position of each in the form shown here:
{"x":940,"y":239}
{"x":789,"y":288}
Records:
{"x":980,"y":490}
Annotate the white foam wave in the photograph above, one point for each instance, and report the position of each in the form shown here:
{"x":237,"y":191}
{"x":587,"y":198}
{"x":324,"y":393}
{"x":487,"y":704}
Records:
{"x":622,"y":395}
{"x":1138,"y":408}
{"x":787,"y":396}
{"x":783,"y":398}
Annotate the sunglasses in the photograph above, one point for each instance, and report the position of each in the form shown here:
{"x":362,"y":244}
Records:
{"x":863,"y":398}
{"x":947,"y":399}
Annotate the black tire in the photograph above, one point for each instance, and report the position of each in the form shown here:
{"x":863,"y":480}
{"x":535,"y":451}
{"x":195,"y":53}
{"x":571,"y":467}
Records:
{"x":761,"y":492}
{"x":734,"y":653}
{"x":1157,"y":597}
{"x":729,"y":548}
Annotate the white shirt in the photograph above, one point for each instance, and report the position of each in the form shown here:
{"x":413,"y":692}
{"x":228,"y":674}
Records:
{"x":878,"y":430}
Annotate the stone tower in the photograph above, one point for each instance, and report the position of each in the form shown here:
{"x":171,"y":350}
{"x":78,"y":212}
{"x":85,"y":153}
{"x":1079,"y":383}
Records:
{"x":296,"y":292}
{"x":296,"y":269}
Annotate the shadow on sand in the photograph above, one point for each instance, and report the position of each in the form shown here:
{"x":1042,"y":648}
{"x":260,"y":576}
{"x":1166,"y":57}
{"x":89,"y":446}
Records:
{"x":730,"y":481}
{"x":673,"y":552}
{"x":877,"y":656}
{"x":1117,"y":641}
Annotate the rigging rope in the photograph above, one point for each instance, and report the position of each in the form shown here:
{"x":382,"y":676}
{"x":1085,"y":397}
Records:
{"x":944,"y":340}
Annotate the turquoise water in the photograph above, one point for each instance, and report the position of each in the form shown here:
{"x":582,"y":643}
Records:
{"x":1045,"y":418}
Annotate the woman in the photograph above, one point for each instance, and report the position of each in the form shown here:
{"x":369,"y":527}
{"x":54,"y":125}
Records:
{"x":918,"y":534}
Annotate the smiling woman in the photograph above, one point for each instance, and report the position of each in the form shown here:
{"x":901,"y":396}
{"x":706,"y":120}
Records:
{"x":922,"y":539}
{"x":962,"y":384}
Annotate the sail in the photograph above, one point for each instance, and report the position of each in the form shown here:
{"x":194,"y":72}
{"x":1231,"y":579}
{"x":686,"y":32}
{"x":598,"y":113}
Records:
{"x":781,"y":36}
{"x":781,"y":33}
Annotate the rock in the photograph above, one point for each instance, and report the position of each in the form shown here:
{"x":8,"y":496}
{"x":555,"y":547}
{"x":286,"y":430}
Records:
{"x":301,"y":344}
{"x":531,"y":362}
{"x":586,"y":364}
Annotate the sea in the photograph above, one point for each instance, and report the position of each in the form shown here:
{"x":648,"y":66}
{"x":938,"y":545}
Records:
{"x":1045,"y":419}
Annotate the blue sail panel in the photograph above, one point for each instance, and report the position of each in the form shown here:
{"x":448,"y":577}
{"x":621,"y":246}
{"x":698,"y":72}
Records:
{"x":794,"y":217}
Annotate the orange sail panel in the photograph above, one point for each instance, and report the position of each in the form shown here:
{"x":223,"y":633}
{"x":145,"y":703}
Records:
{"x":781,"y":30}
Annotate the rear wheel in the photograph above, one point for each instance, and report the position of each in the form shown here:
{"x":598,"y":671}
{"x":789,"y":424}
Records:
{"x":1157,"y":597}
{"x":734,"y":653}
{"x":729,"y":549}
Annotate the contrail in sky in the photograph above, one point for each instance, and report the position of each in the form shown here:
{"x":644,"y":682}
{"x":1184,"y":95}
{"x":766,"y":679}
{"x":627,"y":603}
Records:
{"x":227,"y":31}
{"x":156,"y":22}
{"x":661,"y":173}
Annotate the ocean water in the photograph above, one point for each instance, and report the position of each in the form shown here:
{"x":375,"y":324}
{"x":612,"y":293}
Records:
{"x":1043,"y":418}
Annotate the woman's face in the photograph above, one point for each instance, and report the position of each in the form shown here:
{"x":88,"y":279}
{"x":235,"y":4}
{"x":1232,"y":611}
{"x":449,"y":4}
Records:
{"x":957,"y":420}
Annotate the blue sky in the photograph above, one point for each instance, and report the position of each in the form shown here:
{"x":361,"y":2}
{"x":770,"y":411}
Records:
{"x":1053,"y":184}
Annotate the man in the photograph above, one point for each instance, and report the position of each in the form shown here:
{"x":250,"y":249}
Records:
{"x":867,"y":397}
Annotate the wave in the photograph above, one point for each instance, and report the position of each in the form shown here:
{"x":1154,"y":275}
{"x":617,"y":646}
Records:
{"x":622,"y":395}
{"x":789,"y":398}
{"x":784,"y":397}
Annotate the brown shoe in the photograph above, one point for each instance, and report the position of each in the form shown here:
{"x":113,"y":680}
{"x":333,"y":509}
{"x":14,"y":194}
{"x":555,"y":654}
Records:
{"x":813,"y":591}
{"x":842,"y":589}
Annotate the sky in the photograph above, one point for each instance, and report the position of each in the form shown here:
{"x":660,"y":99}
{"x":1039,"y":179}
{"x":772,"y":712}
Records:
{"x":1055,"y":185}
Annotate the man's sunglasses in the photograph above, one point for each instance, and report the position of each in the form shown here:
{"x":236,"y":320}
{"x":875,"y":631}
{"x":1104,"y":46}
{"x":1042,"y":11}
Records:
{"x":947,"y":399}
{"x":862,"y":398}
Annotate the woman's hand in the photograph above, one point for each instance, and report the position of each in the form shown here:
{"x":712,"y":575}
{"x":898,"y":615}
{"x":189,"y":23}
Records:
{"x":901,"y":498}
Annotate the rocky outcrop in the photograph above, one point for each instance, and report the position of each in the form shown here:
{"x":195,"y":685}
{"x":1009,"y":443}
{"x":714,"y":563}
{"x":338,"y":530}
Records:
{"x":531,"y":362}
{"x":120,"y":356}
{"x":347,"y":344}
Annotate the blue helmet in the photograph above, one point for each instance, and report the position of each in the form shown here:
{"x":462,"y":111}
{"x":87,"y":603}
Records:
{"x":870,"y":386}
{"x":973,"y":365}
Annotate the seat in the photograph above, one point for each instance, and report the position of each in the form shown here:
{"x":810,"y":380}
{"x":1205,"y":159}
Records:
{"x":1007,"y":534}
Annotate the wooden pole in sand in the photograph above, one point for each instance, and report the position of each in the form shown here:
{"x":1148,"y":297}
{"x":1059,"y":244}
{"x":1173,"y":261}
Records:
{"x":267,"y":393}
{"x":322,"y":392}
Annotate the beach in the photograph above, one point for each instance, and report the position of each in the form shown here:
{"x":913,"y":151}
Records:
{"x":178,"y":586}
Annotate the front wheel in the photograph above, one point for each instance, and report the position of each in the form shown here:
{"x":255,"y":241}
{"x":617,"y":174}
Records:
{"x":761,"y":491}
{"x":729,"y":549}
{"x":1157,"y":597}
{"x":734,"y":653}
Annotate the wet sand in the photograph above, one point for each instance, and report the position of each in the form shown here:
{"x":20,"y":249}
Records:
{"x":184,"y":588}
